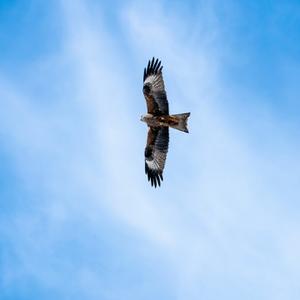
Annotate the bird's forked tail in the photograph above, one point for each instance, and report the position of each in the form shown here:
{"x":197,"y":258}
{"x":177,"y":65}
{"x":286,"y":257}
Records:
{"x":181,"y":121}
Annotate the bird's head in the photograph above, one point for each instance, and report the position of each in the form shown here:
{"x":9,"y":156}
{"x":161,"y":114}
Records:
{"x":146,"y":117}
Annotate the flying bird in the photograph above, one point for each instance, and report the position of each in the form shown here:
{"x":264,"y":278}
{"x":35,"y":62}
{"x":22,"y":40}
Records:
{"x":158,"y":120}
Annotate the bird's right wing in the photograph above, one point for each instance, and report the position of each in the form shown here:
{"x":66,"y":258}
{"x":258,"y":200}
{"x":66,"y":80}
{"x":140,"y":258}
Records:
{"x":156,"y":153}
{"x":154,"y":89}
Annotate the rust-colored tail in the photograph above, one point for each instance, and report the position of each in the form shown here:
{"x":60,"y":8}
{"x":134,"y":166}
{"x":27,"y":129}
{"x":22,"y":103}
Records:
{"x":181,"y":123}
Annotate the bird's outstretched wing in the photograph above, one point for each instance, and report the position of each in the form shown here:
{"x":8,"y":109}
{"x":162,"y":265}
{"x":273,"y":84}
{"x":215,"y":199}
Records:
{"x":156,"y":153}
{"x":154,"y":89}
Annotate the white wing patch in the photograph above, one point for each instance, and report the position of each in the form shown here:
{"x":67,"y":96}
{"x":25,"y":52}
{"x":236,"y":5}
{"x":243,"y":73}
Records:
{"x":152,"y":164}
{"x":156,"y":82}
{"x":150,"y":79}
{"x":154,"y":88}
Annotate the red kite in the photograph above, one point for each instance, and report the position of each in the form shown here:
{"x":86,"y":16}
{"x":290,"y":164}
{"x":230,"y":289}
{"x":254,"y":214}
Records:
{"x":158,"y":121}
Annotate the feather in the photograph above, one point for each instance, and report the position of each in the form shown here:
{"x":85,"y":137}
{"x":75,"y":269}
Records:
{"x":156,"y":153}
{"x":154,"y":89}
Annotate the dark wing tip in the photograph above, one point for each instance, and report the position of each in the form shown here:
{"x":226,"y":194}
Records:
{"x":155,"y":177}
{"x":153,"y":67}
{"x":152,"y":62}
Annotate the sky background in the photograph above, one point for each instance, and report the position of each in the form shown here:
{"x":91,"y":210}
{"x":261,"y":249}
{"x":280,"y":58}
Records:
{"x":78,"y":218}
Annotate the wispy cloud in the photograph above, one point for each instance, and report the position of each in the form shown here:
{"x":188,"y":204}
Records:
{"x":219,"y":226}
{"x":232,"y":207}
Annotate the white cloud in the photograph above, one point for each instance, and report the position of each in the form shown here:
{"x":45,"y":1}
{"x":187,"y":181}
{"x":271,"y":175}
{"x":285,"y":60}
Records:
{"x":211,"y":221}
{"x":231,"y":211}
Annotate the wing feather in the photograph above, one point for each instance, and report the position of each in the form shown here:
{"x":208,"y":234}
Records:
{"x":156,"y":153}
{"x":154,"y":89}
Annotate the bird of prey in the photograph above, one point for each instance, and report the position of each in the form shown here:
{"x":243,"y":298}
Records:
{"x":158,"y":120}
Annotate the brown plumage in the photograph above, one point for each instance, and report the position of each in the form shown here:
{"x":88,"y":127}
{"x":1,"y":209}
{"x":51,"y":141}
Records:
{"x":158,"y":121}
{"x":156,"y":153}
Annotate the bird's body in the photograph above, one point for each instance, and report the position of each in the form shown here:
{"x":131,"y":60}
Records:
{"x":158,"y":120}
{"x":174,"y":121}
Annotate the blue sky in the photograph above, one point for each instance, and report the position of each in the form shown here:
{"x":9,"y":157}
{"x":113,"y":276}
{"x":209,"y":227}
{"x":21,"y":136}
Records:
{"x":79,"y":219}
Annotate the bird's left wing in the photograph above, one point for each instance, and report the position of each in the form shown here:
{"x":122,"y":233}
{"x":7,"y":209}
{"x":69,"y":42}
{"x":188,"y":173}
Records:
{"x":154,"y":89}
{"x":156,"y":153}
